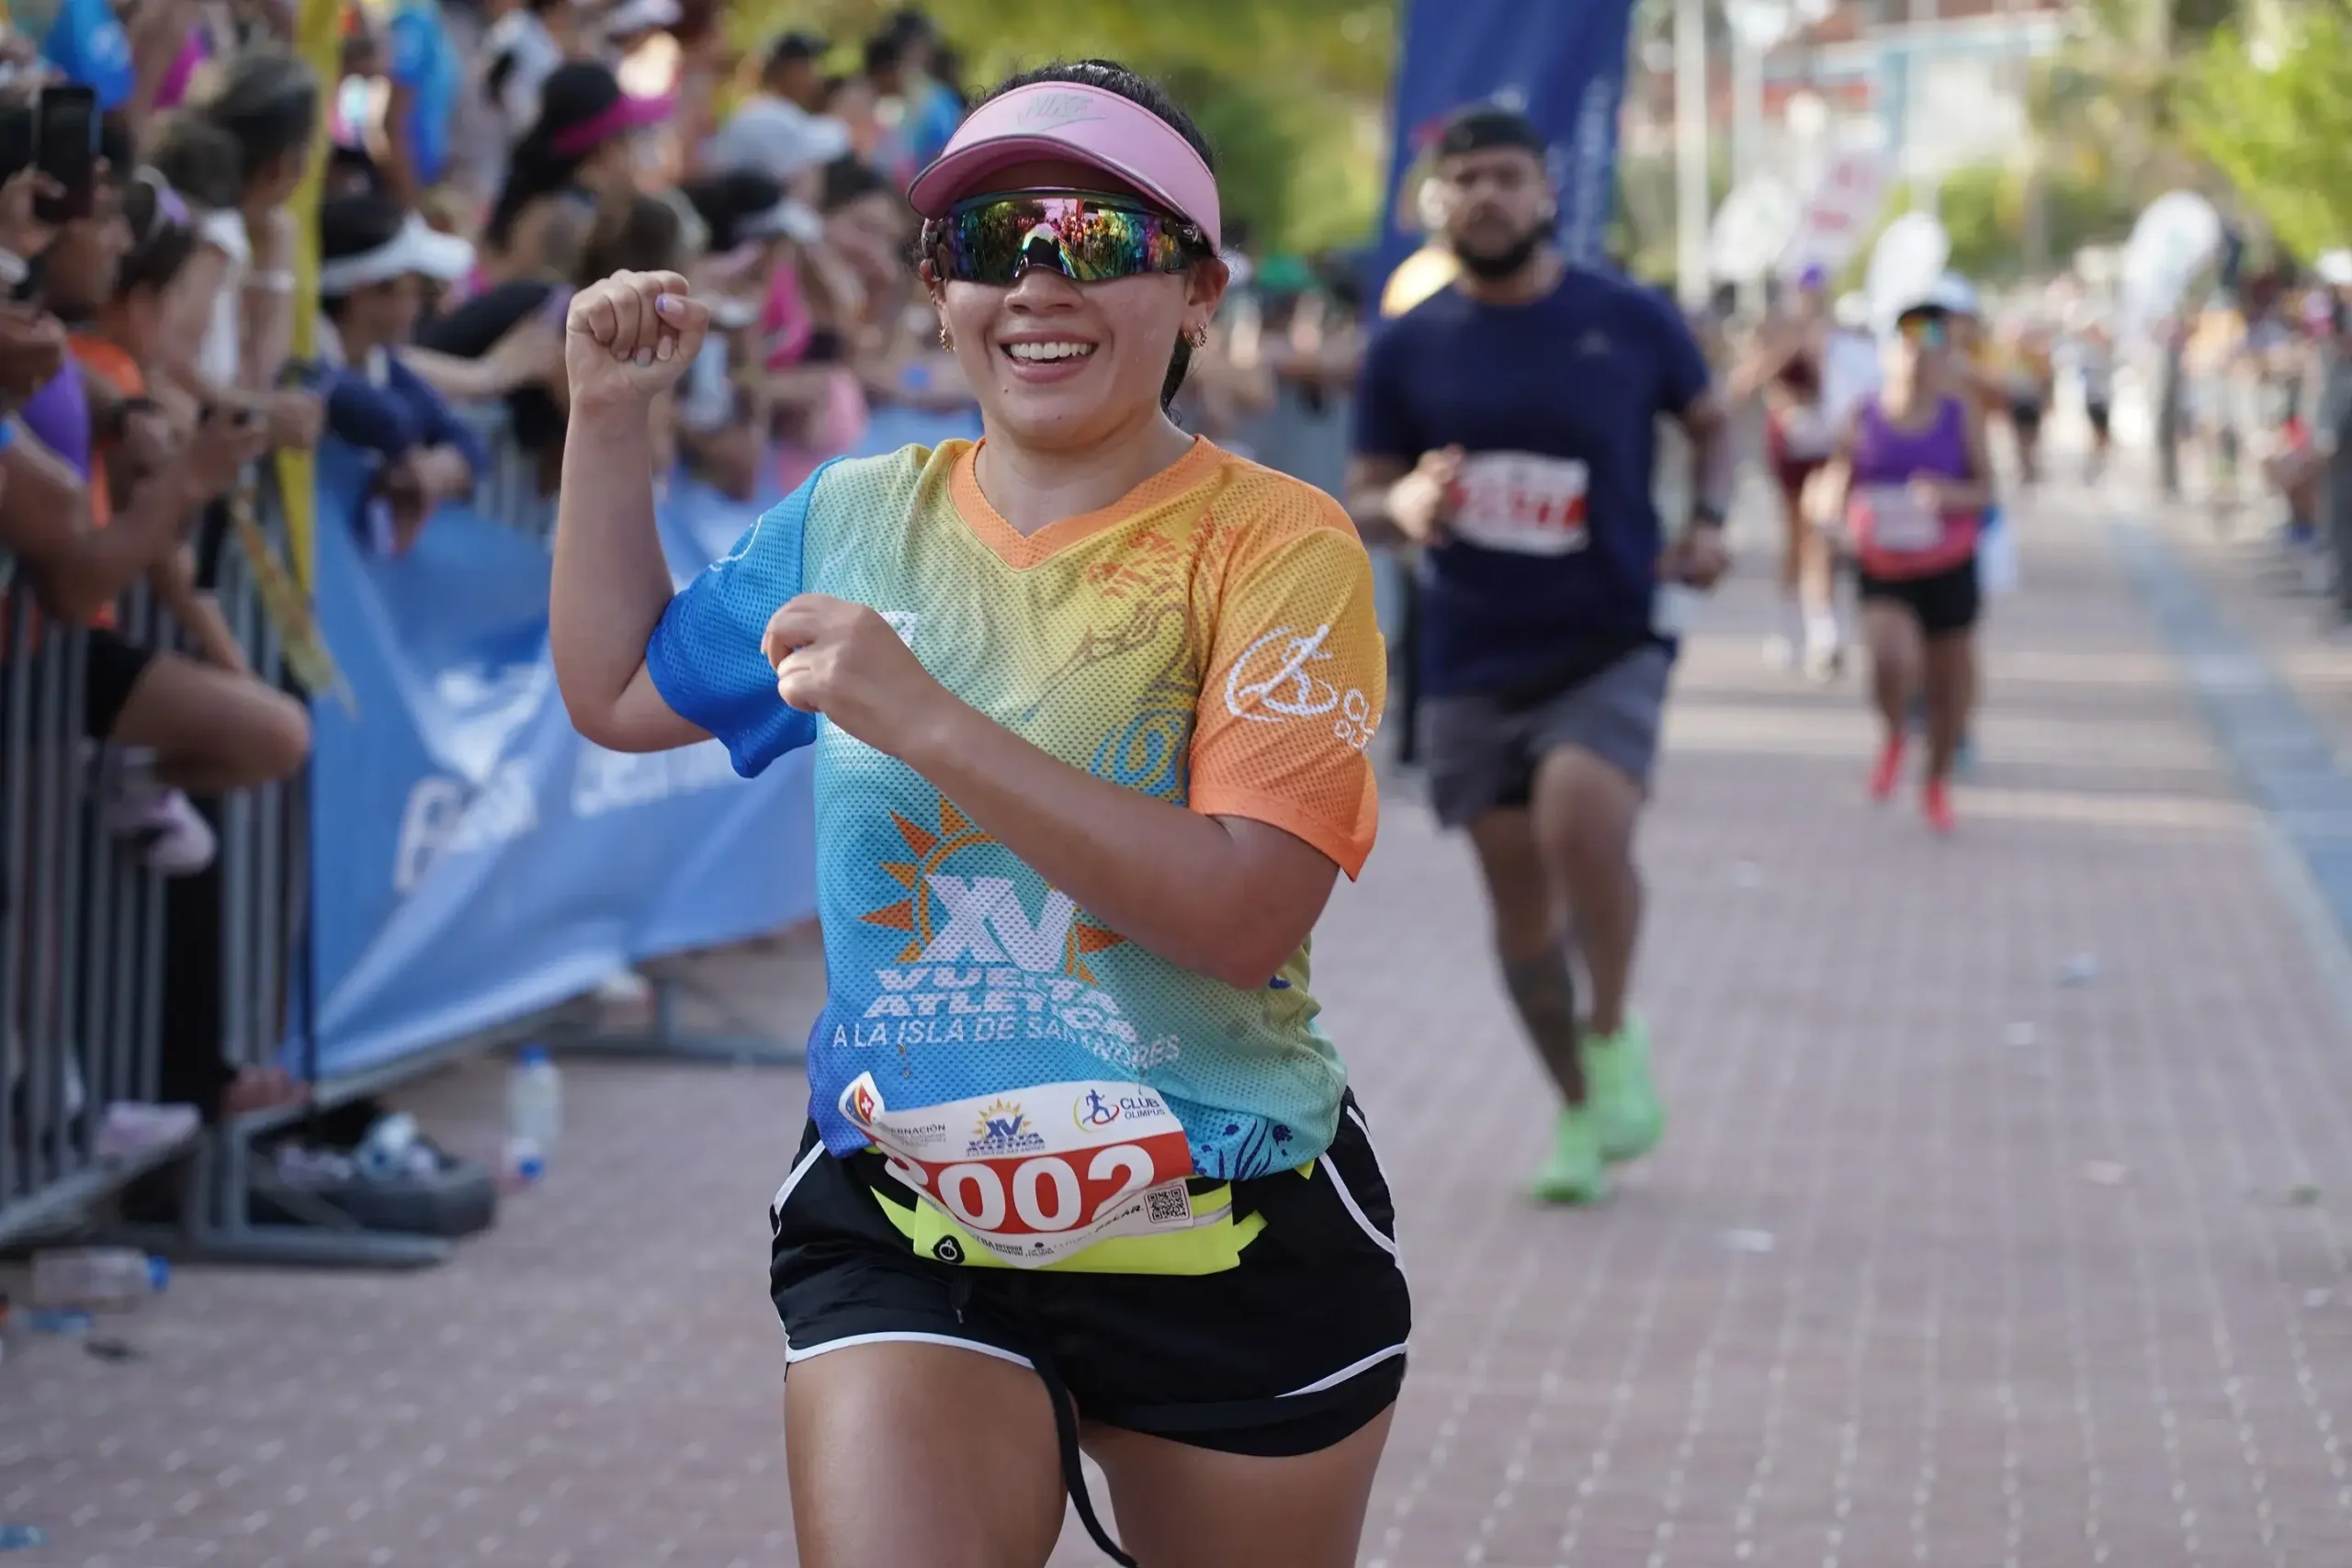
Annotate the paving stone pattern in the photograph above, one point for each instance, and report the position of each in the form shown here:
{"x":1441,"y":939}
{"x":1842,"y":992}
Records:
{"x":2003,"y":1219}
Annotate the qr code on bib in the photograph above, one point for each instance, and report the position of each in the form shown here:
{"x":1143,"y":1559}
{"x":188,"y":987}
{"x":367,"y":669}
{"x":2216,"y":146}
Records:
{"x":1167,"y":1206}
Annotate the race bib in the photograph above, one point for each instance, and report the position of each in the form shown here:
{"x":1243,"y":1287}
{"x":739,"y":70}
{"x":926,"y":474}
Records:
{"x":1038,"y":1174}
{"x":1804,"y":432}
{"x":1522,"y":502}
{"x":1899,"y":524}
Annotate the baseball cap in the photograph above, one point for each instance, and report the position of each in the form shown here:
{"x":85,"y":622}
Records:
{"x":771,"y":137}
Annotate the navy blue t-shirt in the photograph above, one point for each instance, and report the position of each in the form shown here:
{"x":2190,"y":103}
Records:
{"x":1556,"y":540}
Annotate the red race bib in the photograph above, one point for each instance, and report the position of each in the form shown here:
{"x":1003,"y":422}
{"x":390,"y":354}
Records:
{"x":1038,"y":1174}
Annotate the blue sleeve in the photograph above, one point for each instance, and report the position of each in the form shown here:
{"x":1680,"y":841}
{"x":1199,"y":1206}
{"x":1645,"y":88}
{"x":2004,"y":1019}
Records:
{"x":1683,"y":363}
{"x":438,"y":426}
{"x":87,"y":44}
{"x":408,"y":48}
{"x":1384,"y":424}
{"x":369,"y":417}
{"x":704,"y":655}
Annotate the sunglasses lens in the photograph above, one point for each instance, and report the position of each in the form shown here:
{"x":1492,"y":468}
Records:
{"x":1086,"y":239}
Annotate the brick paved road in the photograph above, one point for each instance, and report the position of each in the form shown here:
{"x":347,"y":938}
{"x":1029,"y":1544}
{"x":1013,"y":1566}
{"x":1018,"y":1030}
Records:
{"x":1944,"y":1262}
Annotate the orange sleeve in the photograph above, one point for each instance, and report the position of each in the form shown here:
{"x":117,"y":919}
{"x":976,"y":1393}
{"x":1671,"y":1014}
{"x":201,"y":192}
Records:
{"x":1296,"y":678}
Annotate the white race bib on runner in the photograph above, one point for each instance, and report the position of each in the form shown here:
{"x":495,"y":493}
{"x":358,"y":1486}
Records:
{"x":1804,"y":432}
{"x":1038,"y":1174}
{"x":1519,"y":501}
{"x":1899,"y":524}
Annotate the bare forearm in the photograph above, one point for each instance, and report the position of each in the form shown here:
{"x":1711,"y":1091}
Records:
{"x":1167,"y":878}
{"x":610,"y":583}
{"x":461,"y":380}
{"x":1714,"y":467}
{"x":90,"y":568}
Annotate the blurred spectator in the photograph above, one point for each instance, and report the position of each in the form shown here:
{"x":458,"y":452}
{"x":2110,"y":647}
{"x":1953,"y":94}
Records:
{"x":236,"y":152}
{"x":583,"y":147}
{"x":629,"y":232}
{"x":522,"y":49}
{"x":375,"y":256}
{"x":775,"y":131}
{"x":86,"y":43}
{"x":932,"y":108}
{"x":425,"y":75}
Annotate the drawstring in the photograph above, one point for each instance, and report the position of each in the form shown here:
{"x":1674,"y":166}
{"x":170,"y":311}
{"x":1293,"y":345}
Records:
{"x":1049,"y":1373}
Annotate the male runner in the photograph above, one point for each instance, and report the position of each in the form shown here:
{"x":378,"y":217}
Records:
{"x":1506,"y":425}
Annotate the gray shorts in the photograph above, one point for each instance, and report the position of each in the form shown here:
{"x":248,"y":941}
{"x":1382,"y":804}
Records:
{"x":1483,"y":757}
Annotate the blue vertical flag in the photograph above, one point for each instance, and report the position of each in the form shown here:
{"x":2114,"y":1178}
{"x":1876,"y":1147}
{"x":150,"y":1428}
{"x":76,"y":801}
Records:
{"x":1560,"y":62}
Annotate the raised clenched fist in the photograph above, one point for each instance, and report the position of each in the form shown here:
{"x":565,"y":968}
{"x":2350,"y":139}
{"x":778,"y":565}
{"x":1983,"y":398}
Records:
{"x":629,"y":338}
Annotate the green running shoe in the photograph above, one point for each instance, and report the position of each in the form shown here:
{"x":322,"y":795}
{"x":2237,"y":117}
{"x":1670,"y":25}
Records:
{"x":1575,"y":1173}
{"x":1626,"y":1114}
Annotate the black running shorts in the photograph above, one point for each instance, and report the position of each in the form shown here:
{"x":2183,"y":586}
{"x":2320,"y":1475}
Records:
{"x":1296,"y":1347}
{"x":1947,"y":603}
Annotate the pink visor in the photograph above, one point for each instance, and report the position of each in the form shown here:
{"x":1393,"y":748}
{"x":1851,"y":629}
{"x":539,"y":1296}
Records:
{"x":624,"y":114}
{"x":1069,"y":120}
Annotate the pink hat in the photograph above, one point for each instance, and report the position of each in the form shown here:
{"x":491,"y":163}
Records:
{"x":1069,"y":119}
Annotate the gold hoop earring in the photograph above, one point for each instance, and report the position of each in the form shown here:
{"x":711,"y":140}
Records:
{"x":1198,"y":337}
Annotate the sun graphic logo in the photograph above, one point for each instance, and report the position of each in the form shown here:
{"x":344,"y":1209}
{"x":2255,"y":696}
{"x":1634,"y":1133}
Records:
{"x":952,"y":917}
{"x":1004,"y":1128}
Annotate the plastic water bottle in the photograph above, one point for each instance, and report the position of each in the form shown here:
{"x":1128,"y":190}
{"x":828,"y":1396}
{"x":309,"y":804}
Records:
{"x":535,"y":1102}
{"x":97,"y":1279}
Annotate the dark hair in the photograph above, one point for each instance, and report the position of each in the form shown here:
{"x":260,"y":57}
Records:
{"x":886,"y":53}
{"x":574,"y":94}
{"x":633,"y":233}
{"x":851,"y":178}
{"x":200,"y":160}
{"x":1113,"y":77}
{"x":163,"y":237}
{"x":267,"y":101}
{"x":1483,"y":126}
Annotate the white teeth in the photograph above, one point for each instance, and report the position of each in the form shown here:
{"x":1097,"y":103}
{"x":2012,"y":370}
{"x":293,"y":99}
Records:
{"x":1037,"y":353}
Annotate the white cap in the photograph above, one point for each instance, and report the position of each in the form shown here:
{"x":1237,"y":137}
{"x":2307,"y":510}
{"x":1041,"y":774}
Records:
{"x":415,"y":248}
{"x":632,"y":16}
{"x":2334,"y":269}
{"x":776,"y":138}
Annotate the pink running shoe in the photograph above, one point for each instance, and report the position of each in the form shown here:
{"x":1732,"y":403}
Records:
{"x":1888,"y":770}
{"x":1936,"y":802}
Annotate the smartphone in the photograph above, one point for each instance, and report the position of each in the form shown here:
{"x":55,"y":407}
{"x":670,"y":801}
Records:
{"x":65,"y":148}
{"x":16,"y":135}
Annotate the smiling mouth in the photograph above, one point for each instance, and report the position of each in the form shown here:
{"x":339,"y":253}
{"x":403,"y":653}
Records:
{"x":1049,"y":353}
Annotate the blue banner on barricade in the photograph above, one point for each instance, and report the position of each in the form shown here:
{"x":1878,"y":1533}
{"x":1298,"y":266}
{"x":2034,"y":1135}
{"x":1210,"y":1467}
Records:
{"x":1562,"y":65}
{"x":475,"y":858}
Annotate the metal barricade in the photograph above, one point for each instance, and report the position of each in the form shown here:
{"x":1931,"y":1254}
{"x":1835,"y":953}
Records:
{"x":80,"y":945}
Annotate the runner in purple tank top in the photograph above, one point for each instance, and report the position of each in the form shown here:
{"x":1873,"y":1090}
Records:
{"x":1911,"y":482}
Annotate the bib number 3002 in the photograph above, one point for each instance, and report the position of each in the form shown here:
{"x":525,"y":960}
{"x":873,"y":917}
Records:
{"x":1037,"y":1174}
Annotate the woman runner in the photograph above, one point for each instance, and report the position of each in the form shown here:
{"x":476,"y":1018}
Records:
{"x":1911,"y":479}
{"x":1089,"y":703}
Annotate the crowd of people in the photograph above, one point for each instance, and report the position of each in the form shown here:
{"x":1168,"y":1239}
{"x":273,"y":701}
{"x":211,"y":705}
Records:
{"x":480,"y":166}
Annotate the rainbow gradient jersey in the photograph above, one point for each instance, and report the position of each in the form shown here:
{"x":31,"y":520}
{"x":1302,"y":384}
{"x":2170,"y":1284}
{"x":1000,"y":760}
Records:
{"x":1058,"y":1095}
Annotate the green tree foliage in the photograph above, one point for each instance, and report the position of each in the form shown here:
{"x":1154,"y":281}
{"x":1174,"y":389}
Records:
{"x":2267,"y":109}
{"x":1292,"y":94}
{"x":1982,"y":207}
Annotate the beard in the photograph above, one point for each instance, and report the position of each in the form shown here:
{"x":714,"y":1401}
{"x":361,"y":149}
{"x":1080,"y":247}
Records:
{"x":1491,"y":266}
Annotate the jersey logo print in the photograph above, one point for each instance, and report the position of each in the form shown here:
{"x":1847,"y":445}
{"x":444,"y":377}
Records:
{"x":951,"y":917}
